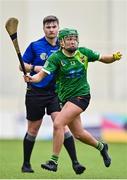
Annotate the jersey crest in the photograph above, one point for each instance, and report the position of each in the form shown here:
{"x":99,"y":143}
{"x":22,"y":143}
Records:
{"x":82,"y":58}
{"x":43,"y":56}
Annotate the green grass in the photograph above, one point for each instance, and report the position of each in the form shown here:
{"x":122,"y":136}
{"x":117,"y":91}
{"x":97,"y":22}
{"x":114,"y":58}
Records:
{"x":11,"y":161}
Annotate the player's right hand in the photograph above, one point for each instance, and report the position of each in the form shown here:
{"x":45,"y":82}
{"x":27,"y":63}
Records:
{"x":27,"y":78}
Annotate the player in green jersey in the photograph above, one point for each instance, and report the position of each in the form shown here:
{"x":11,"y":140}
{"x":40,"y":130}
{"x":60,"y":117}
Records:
{"x":70,"y":64}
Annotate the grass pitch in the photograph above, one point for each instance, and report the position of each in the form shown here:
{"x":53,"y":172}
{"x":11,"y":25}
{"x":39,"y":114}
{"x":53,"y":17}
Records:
{"x":11,"y":161}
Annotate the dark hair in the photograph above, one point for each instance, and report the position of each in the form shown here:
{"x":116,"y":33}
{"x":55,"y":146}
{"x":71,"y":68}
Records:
{"x":49,"y":19}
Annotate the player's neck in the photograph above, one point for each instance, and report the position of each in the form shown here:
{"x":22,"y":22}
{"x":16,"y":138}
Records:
{"x":68,"y":54}
{"x":51,"y":41}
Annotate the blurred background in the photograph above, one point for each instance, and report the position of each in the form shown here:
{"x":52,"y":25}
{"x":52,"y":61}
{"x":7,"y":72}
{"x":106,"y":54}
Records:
{"x":102,"y":26}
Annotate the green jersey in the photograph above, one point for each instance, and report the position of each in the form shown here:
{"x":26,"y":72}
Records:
{"x":71,"y":72}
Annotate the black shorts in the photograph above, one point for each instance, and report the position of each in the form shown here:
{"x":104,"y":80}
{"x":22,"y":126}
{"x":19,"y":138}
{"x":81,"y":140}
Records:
{"x":81,"y":101}
{"x":38,"y":102}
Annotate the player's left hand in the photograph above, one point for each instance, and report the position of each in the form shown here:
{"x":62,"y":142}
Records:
{"x":117,"y":56}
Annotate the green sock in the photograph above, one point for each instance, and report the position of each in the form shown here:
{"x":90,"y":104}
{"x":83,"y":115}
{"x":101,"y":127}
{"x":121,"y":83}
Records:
{"x":54,"y":158}
{"x":99,"y":146}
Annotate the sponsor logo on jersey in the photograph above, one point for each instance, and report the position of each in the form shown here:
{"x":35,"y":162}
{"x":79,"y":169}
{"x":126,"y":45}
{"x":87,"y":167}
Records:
{"x":52,"y":51}
{"x":63,"y":62}
{"x":75,"y":73}
{"x":72,"y":62}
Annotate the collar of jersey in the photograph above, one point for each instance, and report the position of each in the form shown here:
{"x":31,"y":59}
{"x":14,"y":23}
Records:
{"x":70,"y":56}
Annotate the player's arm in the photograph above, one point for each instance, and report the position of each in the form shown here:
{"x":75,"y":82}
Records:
{"x":110,"y":58}
{"x":29,"y":68}
{"x":36,"y":78}
{"x":28,"y":58}
{"x":49,"y":67}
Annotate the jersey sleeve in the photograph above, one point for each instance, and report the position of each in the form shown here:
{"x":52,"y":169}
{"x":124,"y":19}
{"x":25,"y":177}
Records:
{"x":51,"y":65}
{"x":91,"y":55}
{"x":28,"y":55}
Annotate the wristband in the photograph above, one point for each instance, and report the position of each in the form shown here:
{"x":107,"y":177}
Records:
{"x":32,"y":69}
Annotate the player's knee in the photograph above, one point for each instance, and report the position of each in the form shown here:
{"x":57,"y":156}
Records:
{"x":77,"y":135}
{"x":33,"y":131}
{"x":57,"y":125}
